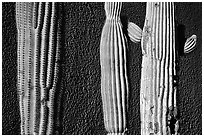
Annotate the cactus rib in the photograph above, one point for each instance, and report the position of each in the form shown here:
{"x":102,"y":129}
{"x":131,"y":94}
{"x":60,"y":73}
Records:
{"x":38,"y":65}
{"x":114,"y":84}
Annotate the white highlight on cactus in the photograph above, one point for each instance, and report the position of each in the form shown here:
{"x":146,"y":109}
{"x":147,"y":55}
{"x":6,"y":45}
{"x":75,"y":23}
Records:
{"x":114,"y":85}
{"x":20,"y":65}
{"x":134,"y":32}
{"x":158,"y":79}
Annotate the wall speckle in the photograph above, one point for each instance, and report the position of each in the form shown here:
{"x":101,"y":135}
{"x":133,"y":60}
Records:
{"x":189,"y":89}
{"x":10,"y":115}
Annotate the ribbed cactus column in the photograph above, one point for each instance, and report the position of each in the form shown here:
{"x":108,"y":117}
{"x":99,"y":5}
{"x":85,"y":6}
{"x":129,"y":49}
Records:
{"x":39,"y":44}
{"x":159,"y":79}
{"x":158,"y":70}
{"x":114,"y":84}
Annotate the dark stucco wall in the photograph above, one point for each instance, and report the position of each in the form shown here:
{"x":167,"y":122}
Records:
{"x":79,"y":104}
{"x":190,"y":70}
{"x":10,"y":110}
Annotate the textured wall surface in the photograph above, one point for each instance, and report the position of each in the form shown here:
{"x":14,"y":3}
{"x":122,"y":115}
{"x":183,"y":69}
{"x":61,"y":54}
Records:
{"x":190,"y":73}
{"x":79,"y":104}
{"x":10,"y":109}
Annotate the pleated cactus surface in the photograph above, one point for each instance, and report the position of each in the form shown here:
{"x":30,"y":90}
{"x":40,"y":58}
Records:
{"x":39,"y":37}
{"x":159,"y":80}
{"x":158,"y":83}
{"x":114,"y":84}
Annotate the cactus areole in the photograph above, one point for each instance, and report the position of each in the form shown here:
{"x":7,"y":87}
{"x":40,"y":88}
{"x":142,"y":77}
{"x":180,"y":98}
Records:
{"x":158,"y":108}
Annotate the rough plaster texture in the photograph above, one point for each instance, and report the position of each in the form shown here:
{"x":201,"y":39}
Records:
{"x":79,"y":105}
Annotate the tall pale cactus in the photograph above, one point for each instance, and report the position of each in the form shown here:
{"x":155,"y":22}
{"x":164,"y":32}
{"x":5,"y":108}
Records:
{"x":114,"y":84}
{"x":39,"y":36}
{"x":158,"y":91}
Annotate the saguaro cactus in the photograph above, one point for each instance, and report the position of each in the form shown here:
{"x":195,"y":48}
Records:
{"x":114,"y":84}
{"x":158,"y":79}
{"x":39,"y":36}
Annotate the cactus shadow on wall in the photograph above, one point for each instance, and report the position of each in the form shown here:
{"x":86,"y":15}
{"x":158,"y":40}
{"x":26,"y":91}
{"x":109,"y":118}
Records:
{"x":180,"y":42}
{"x":180,"y":38}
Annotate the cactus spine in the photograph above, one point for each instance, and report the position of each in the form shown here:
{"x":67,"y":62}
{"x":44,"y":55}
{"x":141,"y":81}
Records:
{"x":114,"y":84}
{"x":159,"y":114}
{"x":38,"y":64}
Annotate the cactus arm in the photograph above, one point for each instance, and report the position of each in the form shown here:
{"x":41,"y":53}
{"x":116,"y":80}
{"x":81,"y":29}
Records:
{"x":190,"y":44}
{"x":134,"y":32}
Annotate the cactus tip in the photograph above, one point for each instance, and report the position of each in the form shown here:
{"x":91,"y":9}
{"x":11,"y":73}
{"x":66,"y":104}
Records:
{"x":134,"y":32}
{"x":190,"y":44}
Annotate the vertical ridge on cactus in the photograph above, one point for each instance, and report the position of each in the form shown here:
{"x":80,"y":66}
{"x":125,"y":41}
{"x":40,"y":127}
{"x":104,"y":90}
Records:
{"x":158,"y":79}
{"x":38,"y":65}
{"x":29,"y":50}
{"x":161,"y":65}
{"x":55,"y":77}
{"x":114,"y":84}
{"x":20,"y":70}
{"x":51,"y":48}
{"x":43,"y":68}
{"x":38,"y":10}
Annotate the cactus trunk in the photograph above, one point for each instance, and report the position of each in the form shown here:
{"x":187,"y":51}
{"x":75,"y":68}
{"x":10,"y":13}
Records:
{"x":114,"y":85}
{"x":39,"y":44}
{"x":158,"y":90}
